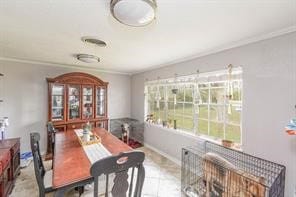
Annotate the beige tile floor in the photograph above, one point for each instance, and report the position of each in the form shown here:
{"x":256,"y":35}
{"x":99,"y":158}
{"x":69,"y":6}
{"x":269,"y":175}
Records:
{"x":162,"y":179}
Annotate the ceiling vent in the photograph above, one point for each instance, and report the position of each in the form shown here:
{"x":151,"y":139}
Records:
{"x":88,"y":58}
{"x":95,"y":41}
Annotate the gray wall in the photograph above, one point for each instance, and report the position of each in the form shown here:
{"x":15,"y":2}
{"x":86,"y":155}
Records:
{"x":24,"y":91}
{"x":269,"y":96}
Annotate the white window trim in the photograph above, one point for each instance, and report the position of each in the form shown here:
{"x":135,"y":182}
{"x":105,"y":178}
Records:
{"x":169,"y":82}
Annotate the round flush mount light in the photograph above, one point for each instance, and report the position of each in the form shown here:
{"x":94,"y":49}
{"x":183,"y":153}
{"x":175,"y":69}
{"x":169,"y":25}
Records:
{"x":88,"y":58}
{"x":135,"y":13}
{"x":95,"y":41}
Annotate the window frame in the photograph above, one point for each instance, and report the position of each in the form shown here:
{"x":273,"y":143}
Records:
{"x":205,"y":85}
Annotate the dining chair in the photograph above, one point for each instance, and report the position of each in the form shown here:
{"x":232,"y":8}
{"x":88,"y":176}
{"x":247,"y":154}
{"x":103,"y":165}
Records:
{"x":51,"y":131}
{"x":43,"y":177}
{"x":120,"y":166}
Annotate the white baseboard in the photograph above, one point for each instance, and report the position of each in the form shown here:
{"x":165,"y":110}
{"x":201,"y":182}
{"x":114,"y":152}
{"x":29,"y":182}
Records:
{"x":173,"y":159}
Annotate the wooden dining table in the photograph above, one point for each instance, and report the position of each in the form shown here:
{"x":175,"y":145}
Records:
{"x":71,"y":166}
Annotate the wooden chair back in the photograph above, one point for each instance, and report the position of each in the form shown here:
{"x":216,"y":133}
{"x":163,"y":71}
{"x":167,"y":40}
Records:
{"x":120,"y":165}
{"x":38,"y":163}
{"x":51,"y":132}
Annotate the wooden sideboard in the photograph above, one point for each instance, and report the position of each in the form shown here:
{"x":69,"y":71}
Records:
{"x":74,"y":99}
{"x":9,"y":164}
{"x":5,"y":172}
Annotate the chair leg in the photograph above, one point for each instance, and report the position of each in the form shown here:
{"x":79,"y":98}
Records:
{"x":80,"y":190}
{"x":41,"y":194}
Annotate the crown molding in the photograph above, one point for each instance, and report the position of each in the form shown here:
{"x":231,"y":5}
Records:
{"x":239,"y":43}
{"x":189,"y":58}
{"x":77,"y":67}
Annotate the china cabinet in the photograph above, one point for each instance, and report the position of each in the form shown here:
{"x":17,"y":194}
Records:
{"x":74,"y":99}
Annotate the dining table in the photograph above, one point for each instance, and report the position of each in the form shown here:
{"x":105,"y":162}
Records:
{"x":71,"y":165}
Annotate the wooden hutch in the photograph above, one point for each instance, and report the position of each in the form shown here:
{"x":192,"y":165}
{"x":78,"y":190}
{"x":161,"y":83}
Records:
{"x":74,"y":99}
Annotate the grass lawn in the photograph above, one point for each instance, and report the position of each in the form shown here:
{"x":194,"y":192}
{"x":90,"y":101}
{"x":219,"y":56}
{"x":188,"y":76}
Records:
{"x":216,"y":122}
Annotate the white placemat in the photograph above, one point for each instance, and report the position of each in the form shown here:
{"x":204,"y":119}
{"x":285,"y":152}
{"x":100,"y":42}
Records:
{"x":94,"y":152}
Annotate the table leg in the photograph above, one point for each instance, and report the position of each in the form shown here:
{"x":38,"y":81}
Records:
{"x":60,"y":192}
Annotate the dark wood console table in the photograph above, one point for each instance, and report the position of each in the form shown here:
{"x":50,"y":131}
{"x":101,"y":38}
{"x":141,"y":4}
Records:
{"x":9,"y":164}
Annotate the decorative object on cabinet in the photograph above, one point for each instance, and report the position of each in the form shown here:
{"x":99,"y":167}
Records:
{"x":75,"y":99}
{"x":11,"y":168}
{"x":136,"y":134}
{"x":4,"y":123}
{"x":2,"y":130}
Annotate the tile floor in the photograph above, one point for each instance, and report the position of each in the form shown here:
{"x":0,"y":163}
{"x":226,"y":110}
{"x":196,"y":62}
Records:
{"x":162,"y":179}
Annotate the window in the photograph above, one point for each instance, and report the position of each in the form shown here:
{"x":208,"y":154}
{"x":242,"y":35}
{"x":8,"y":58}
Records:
{"x":208,"y":104}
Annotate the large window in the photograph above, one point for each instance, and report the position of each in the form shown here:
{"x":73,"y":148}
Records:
{"x":209,"y":104}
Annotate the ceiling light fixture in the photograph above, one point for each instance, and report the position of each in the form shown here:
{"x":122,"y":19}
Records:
{"x":134,"y":13}
{"x":88,"y":58}
{"x":93,"y":40}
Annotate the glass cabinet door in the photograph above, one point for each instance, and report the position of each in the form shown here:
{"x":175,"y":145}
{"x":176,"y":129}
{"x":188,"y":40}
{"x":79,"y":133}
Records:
{"x":73,"y":102}
{"x":87,"y":102}
{"x":101,"y":124}
{"x":57,"y":102}
{"x":100,"y":99}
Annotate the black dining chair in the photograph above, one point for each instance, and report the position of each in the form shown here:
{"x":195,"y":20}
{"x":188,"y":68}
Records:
{"x":51,"y":132}
{"x":43,"y":177}
{"x":120,"y":166}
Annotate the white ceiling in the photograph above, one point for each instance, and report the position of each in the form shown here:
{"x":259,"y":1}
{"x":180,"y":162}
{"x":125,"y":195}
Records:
{"x":50,"y":31}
